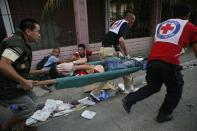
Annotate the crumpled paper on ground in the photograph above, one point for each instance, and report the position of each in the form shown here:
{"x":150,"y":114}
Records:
{"x":50,"y":106}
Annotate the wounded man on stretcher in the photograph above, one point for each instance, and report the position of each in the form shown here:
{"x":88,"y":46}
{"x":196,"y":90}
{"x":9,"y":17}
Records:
{"x":112,"y":63}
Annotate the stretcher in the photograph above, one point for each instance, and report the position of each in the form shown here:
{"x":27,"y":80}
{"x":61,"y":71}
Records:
{"x":78,"y":81}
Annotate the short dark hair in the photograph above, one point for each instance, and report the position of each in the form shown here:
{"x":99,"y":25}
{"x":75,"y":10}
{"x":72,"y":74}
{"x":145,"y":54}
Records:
{"x":82,"y":45}
{"x":129,"y":16}
{"x":128,"y":12}
{"x":181,"y":10}
{"x":56,"y":48}
{"x":28,"y":23}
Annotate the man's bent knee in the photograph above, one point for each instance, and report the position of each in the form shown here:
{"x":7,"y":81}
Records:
{"x":25,"y":107}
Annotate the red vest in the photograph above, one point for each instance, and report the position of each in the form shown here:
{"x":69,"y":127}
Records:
{"x":171,"y":37}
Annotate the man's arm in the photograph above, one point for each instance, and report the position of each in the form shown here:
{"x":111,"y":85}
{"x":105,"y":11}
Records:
{"x":84,"y":67}
{"x":38,"y":72}
{"x":194,"y":47}
{"x":7,"y":69}
{"x":123,"y":45}
{"x":95,"y":52}
{"x":75,"y":56}
{"x":80,"y":61}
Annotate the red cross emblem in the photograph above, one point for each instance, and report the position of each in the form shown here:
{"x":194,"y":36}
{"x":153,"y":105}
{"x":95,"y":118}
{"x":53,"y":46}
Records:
{"x":166,"y":28}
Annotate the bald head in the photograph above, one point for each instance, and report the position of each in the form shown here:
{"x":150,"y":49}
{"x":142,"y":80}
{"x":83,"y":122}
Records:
{"x":130,"y":17}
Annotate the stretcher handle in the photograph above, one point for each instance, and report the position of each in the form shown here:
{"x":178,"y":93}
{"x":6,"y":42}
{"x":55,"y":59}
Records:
{"x":44,"y":82}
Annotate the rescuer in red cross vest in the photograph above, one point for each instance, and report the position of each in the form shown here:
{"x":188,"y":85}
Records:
{"x":163,"y":62}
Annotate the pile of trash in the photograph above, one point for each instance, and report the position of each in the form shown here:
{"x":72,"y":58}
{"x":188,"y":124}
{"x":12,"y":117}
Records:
{"x":55,"y":108}
{"x":52,"y":108}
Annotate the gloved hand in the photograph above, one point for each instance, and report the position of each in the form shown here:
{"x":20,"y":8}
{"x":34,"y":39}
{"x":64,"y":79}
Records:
{"x":128,"y":57}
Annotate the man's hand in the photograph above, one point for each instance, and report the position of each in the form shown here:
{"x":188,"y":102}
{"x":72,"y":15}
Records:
{"x":27,"y":84}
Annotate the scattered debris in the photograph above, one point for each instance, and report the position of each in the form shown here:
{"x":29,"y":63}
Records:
{"x":189,"y":64}
{"x":88,"y":114}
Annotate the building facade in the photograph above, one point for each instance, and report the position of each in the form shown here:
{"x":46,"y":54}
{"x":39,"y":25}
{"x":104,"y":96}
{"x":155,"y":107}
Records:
{"x":78,"y":21}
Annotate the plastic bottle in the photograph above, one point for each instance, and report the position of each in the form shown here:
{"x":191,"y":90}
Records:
{"x":111,"y":93}
{"x":14,"y":108}
{"x":103,"y":95}
{"x":145,"y":62}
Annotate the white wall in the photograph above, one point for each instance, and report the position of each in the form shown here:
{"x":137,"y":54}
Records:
{"x":139,"y":46}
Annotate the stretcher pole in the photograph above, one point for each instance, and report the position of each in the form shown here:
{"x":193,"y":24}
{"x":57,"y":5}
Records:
{"x":45,"y":82}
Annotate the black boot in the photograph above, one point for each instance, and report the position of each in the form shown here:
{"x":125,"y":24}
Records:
{"x":163,"y":117}
{"x":125,"y":105}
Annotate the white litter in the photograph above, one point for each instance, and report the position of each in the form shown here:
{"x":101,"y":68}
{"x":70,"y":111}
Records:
{"x":122,"y":88}
{"x":88,"y":114}
{"x":49,"y":108}
{"x":41,"y":115}
{"x":30,"y":121}
{"x":65,"y":112}
{"x":64,"y":106}
{"x":95,"y":94}
{"x":86,"y":101}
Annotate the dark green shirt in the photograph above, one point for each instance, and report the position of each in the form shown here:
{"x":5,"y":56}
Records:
{"x":9,"y":88}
